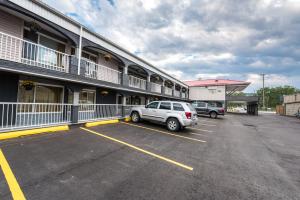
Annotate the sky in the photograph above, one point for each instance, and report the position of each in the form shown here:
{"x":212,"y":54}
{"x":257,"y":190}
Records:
{"x":192,"y":39}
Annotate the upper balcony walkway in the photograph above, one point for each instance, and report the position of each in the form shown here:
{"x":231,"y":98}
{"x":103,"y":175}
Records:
{"x":25,"y":52}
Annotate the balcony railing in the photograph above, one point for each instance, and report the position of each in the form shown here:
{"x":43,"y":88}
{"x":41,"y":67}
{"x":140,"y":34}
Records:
{"x":137,"y":82}
{"x":22,"y":51}
{"x":168,"y":91}
{"x":176,"y":93}
{"x":155,"y":87}
{"x":28,"y":115}
{"x":100,"y":72}
{"x":184,"y":95}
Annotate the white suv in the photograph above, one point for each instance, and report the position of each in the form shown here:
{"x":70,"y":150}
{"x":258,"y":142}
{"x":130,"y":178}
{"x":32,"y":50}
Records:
{"x":174,"y":114}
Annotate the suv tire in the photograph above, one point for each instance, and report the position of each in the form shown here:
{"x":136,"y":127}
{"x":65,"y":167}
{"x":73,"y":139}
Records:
{"x":213,"y":115}
{"x":173,"y":124}
{"x":135,"y":117}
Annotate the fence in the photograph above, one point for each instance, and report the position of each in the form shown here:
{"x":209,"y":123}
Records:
{"x":17,"y":116}
{"x":100,"y":72}
{"x":27,"y":115}
{"x":91,"y":112}
{"x":19,"y":50}
{"x":137,"y":82}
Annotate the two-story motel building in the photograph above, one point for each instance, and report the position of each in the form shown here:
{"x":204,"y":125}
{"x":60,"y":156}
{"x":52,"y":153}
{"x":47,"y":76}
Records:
{"x":54,"y":70}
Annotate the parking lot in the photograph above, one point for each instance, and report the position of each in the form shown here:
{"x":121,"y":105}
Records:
{"x":234,"y":157}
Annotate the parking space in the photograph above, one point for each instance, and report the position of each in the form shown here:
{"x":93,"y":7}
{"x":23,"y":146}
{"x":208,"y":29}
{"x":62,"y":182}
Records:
{"x":145,"y":161}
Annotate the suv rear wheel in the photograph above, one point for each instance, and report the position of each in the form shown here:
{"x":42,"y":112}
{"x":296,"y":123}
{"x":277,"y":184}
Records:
{"x":213,"y":115}
{"x":173,"y":124}
{"x":135,"y":117}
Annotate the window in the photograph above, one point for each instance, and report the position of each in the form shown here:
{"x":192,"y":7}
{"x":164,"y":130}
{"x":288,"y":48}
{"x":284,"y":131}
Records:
{"x":39,"y":93}
{"x":215,"y":104}
{"x":48,"y":94}
{"x":212,"y":91}
{"x":190,"y":107}
{"x":178,"y":107}
{"x":201,"y":104}
{"x":153,"y":105}
{"x":165,"y":106}
{"x":87,"y":97}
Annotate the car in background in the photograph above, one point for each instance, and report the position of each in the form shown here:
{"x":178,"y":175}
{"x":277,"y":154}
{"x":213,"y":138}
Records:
{"x":175,"y":115}
{"x":212,"y":109}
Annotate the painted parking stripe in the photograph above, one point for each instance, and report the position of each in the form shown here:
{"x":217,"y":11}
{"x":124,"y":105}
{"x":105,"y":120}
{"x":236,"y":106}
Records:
{"x":203,"y":130}
{"x":12,"y":182}
{"x":164,"y":132}
{"x":141,"y":150}
{"x":199,"y":134}
{"x":203,"y":124}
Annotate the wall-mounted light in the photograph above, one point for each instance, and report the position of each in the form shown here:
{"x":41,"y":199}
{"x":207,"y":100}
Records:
{"x":28,"y":85}
{"x":104,"y":92}
{"x":107,"y":57}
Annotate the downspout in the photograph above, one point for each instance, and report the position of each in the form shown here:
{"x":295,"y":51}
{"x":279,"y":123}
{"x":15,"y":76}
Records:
{"x":79,"y":50}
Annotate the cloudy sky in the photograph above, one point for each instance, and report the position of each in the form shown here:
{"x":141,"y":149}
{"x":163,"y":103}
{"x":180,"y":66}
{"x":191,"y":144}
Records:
{"x":191,"y":39}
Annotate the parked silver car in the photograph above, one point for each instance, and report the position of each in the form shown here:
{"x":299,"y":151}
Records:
{"x":174,"y":114}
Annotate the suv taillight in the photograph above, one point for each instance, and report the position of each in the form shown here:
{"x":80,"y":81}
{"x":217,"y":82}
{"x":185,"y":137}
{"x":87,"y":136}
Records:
{"x":188,"y":115}
{"x":221,"y":110}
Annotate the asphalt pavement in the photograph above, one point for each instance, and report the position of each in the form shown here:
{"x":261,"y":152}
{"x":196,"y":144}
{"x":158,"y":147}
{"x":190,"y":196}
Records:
{"x":234,"y":157}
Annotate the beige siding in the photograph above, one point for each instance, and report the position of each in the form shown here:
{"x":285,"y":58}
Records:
{"x":292,"y":108}
{"x":10,"y":47}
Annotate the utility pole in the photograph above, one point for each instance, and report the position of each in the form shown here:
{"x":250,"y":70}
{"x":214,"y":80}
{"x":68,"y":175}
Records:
{"x":263,"y":92}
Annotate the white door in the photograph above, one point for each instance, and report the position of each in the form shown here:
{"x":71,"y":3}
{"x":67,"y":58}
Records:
{"x":149,"y":111}
{"x":163,"y":111}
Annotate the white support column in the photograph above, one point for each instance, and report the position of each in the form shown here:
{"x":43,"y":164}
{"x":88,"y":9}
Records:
{"x":125,"y":69}
{"x":149,"y":78}
{"x":79,"y":50}
{"x":76,"y":98}
{"x":124,"y":100}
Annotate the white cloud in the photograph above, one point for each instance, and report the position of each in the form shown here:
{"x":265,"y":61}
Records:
{"x":201,"y":38}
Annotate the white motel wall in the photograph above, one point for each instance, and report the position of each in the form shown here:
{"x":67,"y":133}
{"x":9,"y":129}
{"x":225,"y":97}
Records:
{"x":207,"y":93}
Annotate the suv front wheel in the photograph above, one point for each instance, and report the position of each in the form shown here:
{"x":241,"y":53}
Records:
{"x":173,"y":124}
{"x":135,"y":117}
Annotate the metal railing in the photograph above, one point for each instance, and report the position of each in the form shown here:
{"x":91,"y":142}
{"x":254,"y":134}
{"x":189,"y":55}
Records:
{"x":184,"y":95}
{"x":168,"y":91}
{"x":100,"y":72}
{"x":128,"y":108}
{"x":92,"y":112}
{"x":155,"y":87}
{"x":27,"y":115}
{"x":137,"y":82}
{"x":22,"y":51}
{"x":176,"y":93}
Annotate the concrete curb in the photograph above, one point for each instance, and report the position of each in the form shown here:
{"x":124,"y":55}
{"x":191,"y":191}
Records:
{"x":15,"y":134}
{"x":91,"y":124}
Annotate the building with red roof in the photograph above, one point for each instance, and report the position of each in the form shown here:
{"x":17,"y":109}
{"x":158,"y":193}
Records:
{"x":214,"y":89}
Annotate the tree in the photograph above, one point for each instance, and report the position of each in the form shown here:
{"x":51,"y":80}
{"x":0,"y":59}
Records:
{"x":274,"y":95}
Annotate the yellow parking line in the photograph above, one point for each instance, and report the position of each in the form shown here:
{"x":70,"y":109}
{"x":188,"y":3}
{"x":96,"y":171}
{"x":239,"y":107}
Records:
{"x":12,"y":182}
{"x":141,"y":150}
{"x":204,"y":130}
{"x":151,"y":129}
